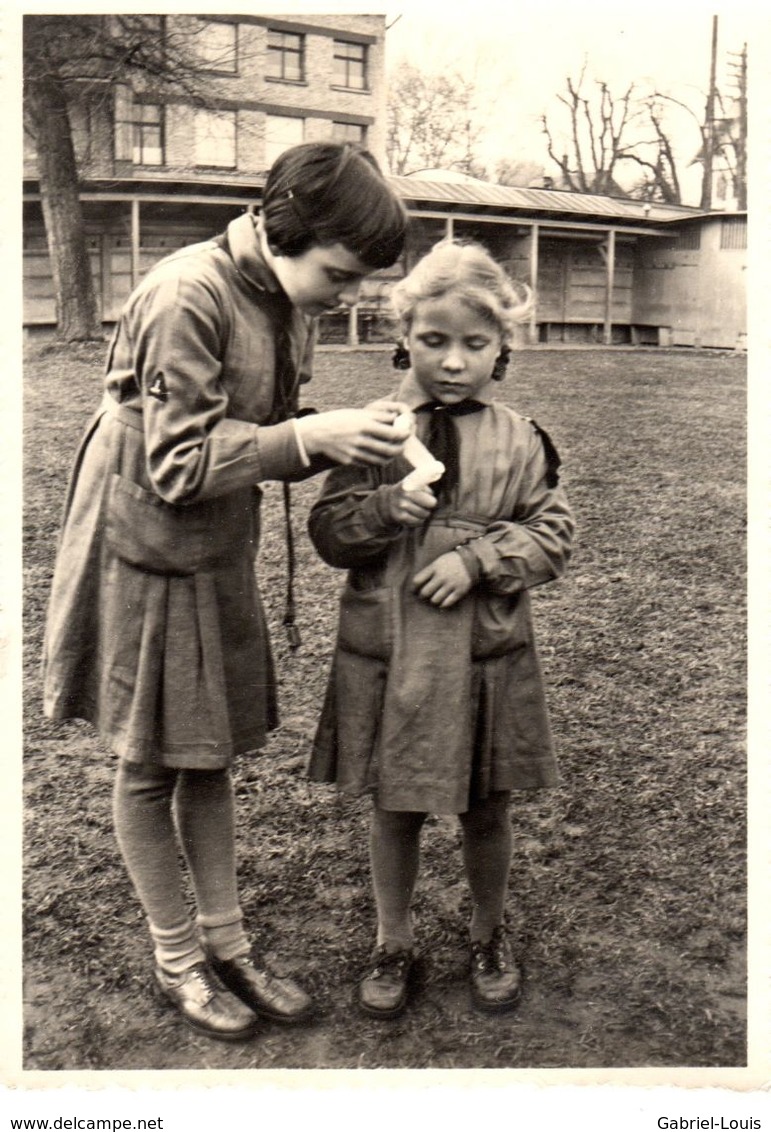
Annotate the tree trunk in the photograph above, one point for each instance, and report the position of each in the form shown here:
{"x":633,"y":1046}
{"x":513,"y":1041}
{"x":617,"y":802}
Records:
{"x":76,"y":312}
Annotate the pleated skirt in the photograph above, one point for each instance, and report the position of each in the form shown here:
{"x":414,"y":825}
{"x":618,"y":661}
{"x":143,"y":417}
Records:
{"x":173,"y":670}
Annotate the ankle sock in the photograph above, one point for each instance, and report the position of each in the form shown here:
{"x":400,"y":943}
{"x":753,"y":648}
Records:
{"x":223,"y":935}
{"x":176,"y":948}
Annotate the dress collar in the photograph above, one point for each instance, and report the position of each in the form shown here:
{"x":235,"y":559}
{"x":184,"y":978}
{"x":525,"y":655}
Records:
{"x":413,"y":394}
{"x":244,"y":241}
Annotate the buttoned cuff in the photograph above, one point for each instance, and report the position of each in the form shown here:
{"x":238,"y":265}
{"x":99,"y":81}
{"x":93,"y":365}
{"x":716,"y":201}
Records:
{"x":470,"y":561}
{"x":279,"y":453}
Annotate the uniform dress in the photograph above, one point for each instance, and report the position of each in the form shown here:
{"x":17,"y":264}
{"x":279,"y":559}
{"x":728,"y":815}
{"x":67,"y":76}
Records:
{"x":155,"y":629}
{"x":430,"y":709}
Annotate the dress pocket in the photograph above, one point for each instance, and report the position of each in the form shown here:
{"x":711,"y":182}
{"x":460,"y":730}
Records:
{"x":365,"y":622}
{"x":501,"y":625}
{"x":164,"y":538}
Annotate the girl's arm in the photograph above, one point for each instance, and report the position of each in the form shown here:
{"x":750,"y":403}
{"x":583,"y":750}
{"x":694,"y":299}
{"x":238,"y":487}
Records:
{"x":510,"y":556}
{"x":178,"y":329}
{"x":535,"y":546}
{"x":196,"y":451}
{"x":361,"y":512}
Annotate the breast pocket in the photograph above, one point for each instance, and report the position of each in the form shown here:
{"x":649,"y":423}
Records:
{"x":163,"y":538}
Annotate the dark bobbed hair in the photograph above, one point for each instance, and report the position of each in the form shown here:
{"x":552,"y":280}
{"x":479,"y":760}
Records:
{"x":328,"y":193}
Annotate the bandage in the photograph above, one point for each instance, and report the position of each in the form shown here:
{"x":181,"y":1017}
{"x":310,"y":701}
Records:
{"x":426,"y":469}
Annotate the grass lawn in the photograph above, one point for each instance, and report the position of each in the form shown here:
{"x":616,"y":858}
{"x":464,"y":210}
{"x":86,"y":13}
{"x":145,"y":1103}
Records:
{"x":628,"y":888}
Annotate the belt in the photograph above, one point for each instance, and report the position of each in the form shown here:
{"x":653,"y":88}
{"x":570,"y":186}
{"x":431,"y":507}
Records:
{"x":123,"y":413}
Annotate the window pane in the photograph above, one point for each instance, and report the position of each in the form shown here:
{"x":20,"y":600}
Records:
{"x":215,"y":138}
{"x":350,"y":65}
{"x":281,"y":133}
{"x":147,"y":147}
{"x":733,"y":233}
{"x":148,"y":113}
{"x":349,"y":132}
{"x":216,"y":46}
{"x":285,"y":56}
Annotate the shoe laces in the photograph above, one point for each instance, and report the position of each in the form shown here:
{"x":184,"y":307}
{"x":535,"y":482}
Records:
{"x":490,"y":956}
{"x":385,"y":962}
{"x":206,"y":980}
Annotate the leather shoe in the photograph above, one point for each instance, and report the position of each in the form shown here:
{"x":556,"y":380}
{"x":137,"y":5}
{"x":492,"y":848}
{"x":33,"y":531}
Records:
{"x":384,"y":990}
{"x":279,"y":999}
{"x":496,"y":980}
{"x":206,"y":1005}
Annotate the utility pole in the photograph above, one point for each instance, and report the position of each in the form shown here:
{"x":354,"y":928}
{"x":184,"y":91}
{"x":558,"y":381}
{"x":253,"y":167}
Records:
{"x":740,"y":144}
{"x":709,"y":126}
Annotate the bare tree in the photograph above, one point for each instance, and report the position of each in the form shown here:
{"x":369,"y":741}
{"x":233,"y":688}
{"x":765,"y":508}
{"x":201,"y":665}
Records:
{"x":598,"y":134}
{"x":73,"y":61}
{"x":660,"y":179}
{"x":432,"y":122}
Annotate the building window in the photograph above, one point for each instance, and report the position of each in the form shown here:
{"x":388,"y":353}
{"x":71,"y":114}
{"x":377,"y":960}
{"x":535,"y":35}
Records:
{"x":148,"y":134}
{"x":350,"y":65}
{"x":124,"y":123}
{"x":215,"y":138}
{"x":280,"y":133}
{"x":688,"y":239}
{"x":286,"y":56}
{"x":349,"y":132}
{"x":733,"y":233}
{"x":216,"y":46}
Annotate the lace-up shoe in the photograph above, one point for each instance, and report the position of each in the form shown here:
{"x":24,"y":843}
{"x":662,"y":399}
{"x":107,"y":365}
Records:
{"x":279,"y":999}
{"x":206,"y":1005}
{"x":384,"y":990}
{"x":496,"y":979}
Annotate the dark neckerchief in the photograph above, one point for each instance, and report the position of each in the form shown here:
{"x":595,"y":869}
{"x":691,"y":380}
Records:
{"x":443,"y":441}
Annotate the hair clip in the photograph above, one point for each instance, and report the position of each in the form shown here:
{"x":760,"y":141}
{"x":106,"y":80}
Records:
{"x":289,"y":194}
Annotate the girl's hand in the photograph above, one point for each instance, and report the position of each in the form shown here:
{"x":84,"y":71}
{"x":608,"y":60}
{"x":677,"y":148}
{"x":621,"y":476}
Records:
{"x":444,"y":581}
{"x":353,"y":436}
{"x":393,"y":409}
{"x":410,"y":508}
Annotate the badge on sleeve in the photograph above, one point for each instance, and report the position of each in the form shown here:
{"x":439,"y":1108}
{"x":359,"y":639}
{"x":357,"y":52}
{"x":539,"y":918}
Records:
{"x":158,"y":387}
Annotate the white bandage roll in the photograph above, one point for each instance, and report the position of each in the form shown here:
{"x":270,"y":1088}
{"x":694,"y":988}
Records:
{"x":423,"y":476}
{"x":426,"y":469}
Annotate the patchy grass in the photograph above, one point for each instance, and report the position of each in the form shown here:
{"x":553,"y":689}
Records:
{"x":628,"y":888}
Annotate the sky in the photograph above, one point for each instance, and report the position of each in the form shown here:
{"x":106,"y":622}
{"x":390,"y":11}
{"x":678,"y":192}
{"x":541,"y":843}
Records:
{"x":520,"y":56}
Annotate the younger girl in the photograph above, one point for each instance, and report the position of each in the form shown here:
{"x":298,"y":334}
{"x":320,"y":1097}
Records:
{"x":435,"y":701}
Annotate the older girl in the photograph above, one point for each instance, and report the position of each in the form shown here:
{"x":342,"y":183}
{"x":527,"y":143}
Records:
{"x":436,"y":701}
{"x":155,"y":631}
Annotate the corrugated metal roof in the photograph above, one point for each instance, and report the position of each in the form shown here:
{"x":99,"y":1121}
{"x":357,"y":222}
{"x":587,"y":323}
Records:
{"x":454,"y":195}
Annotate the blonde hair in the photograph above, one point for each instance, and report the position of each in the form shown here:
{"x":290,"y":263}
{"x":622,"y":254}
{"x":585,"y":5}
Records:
{"x":470,"y":272}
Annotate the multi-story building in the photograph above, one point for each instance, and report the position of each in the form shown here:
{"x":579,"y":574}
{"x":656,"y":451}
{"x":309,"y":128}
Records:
{"x":158,"y":171}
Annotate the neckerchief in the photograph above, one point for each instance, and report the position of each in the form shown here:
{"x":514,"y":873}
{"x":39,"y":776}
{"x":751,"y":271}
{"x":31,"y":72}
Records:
{"x":443,"y":440}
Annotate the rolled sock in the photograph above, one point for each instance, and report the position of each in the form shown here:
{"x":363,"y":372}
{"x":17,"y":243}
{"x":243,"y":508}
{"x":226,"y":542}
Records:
{"x":223,"y":935}
{"x":177,"y":948}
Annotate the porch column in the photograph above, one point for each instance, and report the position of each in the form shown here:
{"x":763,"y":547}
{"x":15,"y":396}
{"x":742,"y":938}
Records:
{"x":105,"y":276}
{"x":533,"y":325}
{"x":610,"y":263}
{"x":353,"y":325}
{"x":449,"y":229}
{"x":134,"y":242}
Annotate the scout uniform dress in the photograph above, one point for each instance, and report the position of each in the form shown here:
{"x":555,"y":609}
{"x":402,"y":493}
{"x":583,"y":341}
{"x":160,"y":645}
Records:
{"x":430,"y":709}
{"x":155,"y":629}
